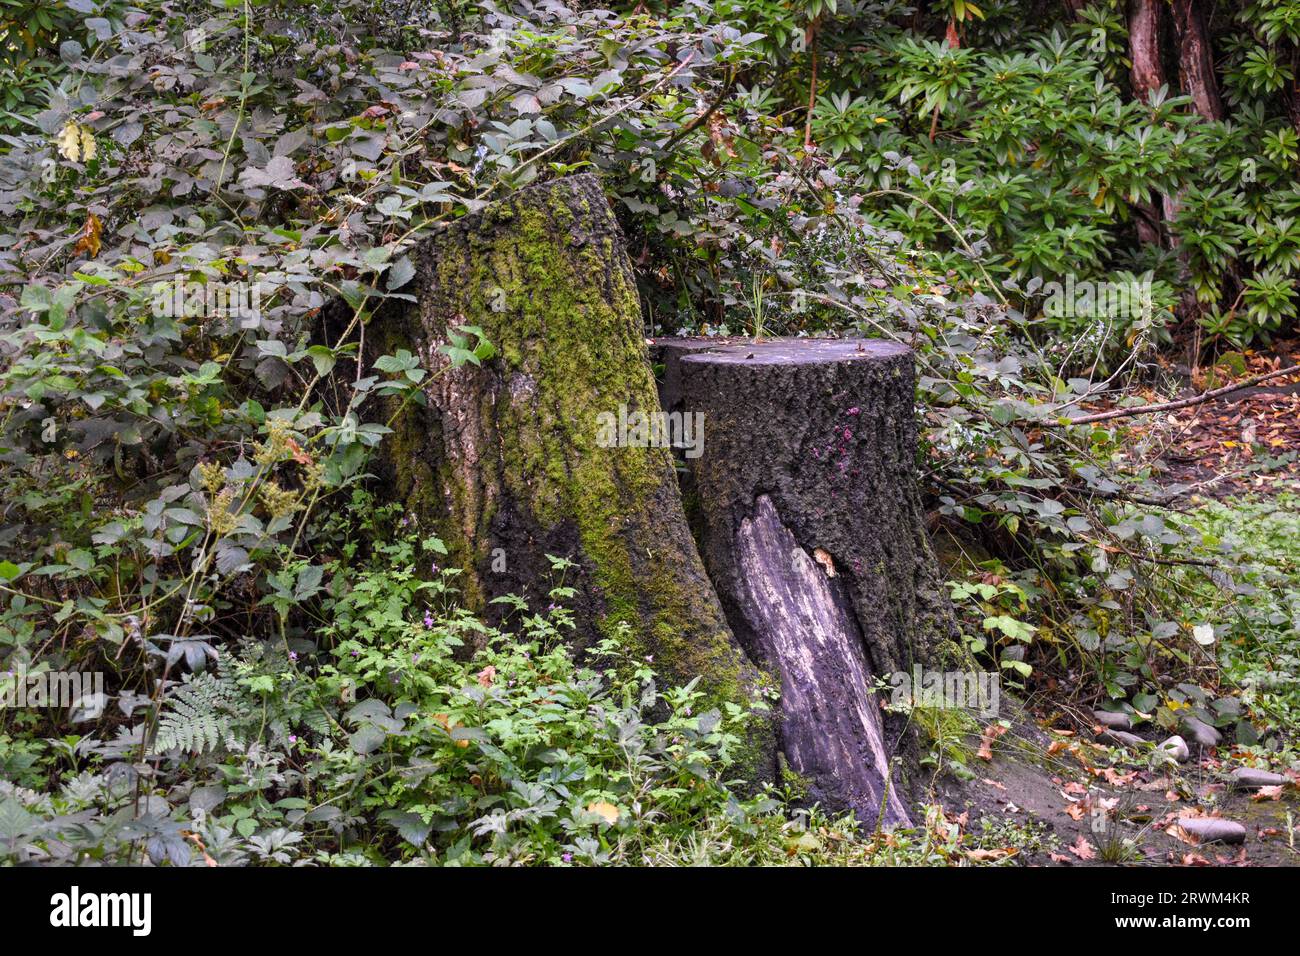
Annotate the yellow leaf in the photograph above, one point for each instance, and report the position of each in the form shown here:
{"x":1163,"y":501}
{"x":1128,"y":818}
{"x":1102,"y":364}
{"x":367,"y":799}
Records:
{"x":607,"y":811}
{"x":76,"y":143}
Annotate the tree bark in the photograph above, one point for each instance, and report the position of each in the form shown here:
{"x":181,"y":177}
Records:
{"x":810,"y":523}
{"x":1196,"y":59}
{"x":1144,"y":26}
{"x":504,"y":461}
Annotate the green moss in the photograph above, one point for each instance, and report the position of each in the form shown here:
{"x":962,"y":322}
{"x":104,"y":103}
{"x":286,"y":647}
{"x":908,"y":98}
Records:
{"x":795,"y":784}
{"x":569,"y":337}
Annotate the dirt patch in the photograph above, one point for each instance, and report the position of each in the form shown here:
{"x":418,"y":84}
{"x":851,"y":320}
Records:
{"x":1108,"y":806}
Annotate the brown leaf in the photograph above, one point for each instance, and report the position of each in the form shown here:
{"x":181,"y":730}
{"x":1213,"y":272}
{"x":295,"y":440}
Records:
{"x":826,"y":561}
{"x":487,"y":675}
{"x":1267,"y":793}
{"x":89,"y":242}
{"x":1083,"y":849}
{"x":989,"y":856}
{"x":991,"y":733}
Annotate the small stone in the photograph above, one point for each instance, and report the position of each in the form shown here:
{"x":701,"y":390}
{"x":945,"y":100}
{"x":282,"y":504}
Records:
{"x":1176,"y":747}
{"x":1201,"y":732}
{"x":1213,"y":829}
{"x":1248,"y":778}
{"x":1113,"y":720}
{"x":1120,"y":738}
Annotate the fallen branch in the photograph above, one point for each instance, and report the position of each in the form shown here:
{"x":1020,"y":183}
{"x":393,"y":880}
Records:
{"x":1172,"y":406}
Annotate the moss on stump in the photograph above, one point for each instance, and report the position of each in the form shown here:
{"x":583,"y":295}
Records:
{"x":504,"y":461}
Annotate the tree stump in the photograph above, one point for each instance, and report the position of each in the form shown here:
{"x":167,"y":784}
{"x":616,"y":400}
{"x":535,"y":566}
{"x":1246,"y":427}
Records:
{"x":809,"y":519}
{"x":503,"y":460}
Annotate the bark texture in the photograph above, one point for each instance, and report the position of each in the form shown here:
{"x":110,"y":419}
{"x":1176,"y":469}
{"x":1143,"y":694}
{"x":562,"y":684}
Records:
{"x":807,"y":510}
{"x":1144,"y":27}
{"x":1196,"y":59}
{"x":503,"y":460}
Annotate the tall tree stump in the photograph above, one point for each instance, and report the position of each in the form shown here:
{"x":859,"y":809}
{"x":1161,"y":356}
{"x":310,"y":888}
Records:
{"x":503,"y":460}
{"x":810,"y":523}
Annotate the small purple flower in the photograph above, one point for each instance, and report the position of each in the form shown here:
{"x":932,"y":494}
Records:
{"x":551,"y":607}
{"x":428,"y":619}
{"x":854,"y":410}
{"x":649,"y":658}
{"x":566,"y":857}
{"x":293,"y":738}
{"x":293,"y":656}
{"x":434,"y":567}
{"x":356,"y":653}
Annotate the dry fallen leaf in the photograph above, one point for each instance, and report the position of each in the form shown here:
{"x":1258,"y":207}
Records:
{"x":989,"y":856}
{"x":487,"y":675}
{"x":1083,"y":849}
{"x":826,"y":561}
{"x":1059,"y":858}
{"x":991,"y":733}
{"x":1115,"y":777}
{"x":89,"y":241}
{"x":606,"y":811}
{"x":1267,"y":793}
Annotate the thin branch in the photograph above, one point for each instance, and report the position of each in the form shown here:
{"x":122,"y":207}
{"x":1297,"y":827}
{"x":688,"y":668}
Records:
{"x":1180,"y":403}
{"x":704,"y":117}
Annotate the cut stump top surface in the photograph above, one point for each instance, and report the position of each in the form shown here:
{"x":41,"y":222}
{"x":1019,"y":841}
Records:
{"x":784,"y":351}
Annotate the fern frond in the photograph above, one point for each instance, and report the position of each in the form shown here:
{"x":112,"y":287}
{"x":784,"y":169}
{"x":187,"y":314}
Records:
{"x":200,"y":715}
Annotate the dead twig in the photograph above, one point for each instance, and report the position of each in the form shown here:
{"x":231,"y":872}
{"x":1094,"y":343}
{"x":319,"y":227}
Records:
{"x":1174,"y":405}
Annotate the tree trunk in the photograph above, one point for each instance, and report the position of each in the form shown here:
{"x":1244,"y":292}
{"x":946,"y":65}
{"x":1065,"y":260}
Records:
{"x":1196,"y":59}
{"x":1144,"y":27}
{"x":503,"y":461}
{"x":810,"y":523}
{"x":1144,"y":30}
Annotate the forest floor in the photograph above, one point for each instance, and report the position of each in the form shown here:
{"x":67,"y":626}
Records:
{"x":1098,"y":804}
{"x":1247,"y":441}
